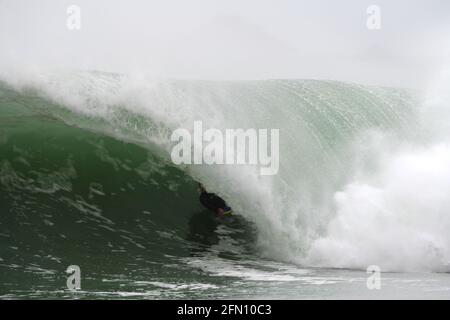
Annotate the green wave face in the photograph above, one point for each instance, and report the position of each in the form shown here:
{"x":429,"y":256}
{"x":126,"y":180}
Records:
{"x":71,"y":196}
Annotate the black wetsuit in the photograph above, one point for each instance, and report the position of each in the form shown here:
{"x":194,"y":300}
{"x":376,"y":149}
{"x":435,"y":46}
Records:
{"x":212,"y":201}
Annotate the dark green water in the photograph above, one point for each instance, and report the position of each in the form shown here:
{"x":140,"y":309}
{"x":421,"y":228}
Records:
{"x":69,"y":196}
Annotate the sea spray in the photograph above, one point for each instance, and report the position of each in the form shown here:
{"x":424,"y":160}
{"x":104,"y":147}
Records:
{"x":395,"y":213}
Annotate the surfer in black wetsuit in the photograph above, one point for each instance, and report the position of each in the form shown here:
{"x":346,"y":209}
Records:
{"x":213,"y":202}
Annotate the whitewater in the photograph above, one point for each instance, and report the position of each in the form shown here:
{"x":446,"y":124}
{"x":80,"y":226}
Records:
{"x":86,"y":178}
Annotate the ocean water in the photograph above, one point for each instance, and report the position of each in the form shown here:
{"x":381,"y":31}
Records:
{"x":86,"y":179}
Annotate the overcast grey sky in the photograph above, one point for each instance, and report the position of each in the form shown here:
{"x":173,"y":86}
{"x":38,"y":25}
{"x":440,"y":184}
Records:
{"x":232,"y":39}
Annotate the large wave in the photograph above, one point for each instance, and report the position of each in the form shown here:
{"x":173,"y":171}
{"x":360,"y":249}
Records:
{"x":360,"y":181}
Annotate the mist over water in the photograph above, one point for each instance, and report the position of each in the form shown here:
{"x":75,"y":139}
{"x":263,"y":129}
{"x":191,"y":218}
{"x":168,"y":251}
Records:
{"x":232,"y":40}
